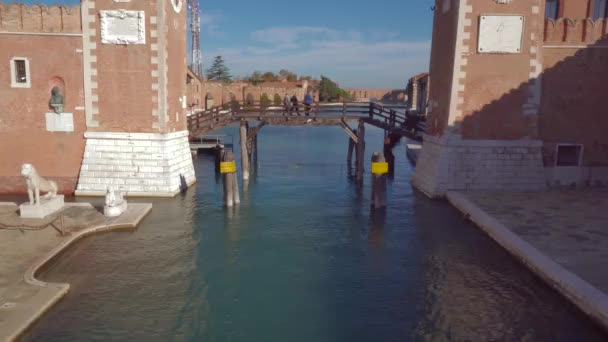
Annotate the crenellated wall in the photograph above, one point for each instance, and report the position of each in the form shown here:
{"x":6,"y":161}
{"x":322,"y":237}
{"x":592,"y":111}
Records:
{"x":16,"y":17}
{"x":567,"y":31}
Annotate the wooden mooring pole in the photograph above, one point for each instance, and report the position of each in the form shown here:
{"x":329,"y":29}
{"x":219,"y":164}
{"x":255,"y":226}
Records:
{"x":360,"y":151}
{"x":230,"y":184}
{"x":379,"y":171}
{"x":351,"y":148}
{"x":244,"y":150}
{"x":219,"y":152}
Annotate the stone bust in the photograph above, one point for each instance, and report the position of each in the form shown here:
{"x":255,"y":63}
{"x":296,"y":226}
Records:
{"x":56,"y":101}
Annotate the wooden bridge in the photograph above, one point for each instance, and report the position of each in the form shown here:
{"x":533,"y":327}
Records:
{"x":396,"y":124}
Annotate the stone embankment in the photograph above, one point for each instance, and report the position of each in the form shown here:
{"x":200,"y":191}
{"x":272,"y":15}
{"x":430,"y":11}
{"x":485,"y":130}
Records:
{"x":27,"y":245}
{"x":562,"y":236}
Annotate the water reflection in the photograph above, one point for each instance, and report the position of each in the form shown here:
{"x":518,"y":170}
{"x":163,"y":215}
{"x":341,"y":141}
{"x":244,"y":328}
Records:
{"x":303,"y":258}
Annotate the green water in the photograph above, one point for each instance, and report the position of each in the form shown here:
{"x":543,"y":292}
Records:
{"x":302,"y":259}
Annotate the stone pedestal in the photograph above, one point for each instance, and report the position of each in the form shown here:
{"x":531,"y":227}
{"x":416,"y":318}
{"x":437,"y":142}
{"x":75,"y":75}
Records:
{"x":143,"y":164}
{"x":47,"y":206}
{"x":452,"y":163}
{"x":62,"y":122}
{"x":115,"y":211}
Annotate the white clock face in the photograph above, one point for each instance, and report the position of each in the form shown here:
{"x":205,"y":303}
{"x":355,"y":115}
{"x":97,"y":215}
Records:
{"x":177,"y":5}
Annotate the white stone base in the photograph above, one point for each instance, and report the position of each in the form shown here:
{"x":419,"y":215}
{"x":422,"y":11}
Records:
{"x":451,"y":163}
{"x":62,"y":122}
{"x":575,"y":176}
{"x":143,"y":164}
{"x":47,"y":206}
{"x":115,"y":211}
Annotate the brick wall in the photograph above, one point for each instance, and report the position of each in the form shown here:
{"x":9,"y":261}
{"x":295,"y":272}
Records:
{"x":39,"y":18}
{"x":53,"y":60}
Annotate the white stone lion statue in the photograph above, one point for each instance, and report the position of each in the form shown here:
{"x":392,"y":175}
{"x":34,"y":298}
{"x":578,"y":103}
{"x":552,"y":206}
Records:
{"x":36,"y":184}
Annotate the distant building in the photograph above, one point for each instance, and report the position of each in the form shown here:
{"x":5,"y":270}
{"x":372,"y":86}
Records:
{"x":518,"y":96}
{"x":418,"y":93}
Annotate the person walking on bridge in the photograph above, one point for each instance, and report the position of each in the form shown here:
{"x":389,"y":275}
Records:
{"x":286,"y":105}
{"x":294,"y":104}
{"x":308,"y":101}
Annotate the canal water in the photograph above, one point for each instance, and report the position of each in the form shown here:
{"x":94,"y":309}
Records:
{"x":302,"y":259}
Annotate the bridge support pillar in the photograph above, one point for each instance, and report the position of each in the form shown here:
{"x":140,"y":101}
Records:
{"x":351,"y":148}
{"x":360,"y":151}
{"x":244,"y":150}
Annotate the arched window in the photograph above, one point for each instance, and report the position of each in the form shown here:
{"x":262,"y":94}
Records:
{"x":552,"y":9}
{"x":599,"y":9}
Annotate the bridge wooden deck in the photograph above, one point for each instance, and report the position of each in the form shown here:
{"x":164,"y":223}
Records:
{"x":391,"y":120}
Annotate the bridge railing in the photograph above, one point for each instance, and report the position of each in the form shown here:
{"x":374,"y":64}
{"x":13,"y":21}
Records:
{"x":374,"y":113}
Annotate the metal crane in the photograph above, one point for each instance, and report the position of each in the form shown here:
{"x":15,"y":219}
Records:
{"x":195,"y":30}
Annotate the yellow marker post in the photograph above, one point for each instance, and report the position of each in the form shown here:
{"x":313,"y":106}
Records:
{"x":379,"y":168}
{"x":228,"y":167}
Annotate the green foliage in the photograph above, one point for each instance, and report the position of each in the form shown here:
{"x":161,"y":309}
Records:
{"x":277,"y":100}
{"x":219,"y":71}
{"x":255,"y":78}
{"x":329,"y":91}
{"x":264,"y":101}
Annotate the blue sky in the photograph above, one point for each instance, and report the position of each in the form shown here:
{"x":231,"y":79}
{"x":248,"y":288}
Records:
{"x":372,"y":44}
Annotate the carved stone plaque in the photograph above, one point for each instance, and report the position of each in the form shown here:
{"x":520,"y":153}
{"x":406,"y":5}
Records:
{"x":500,"y":33}
{"x":123,"y":27}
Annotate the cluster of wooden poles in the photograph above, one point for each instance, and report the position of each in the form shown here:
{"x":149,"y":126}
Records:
{"x":225,"y":164}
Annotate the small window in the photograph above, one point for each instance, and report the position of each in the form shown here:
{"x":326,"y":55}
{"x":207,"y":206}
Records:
{"x":20,"y":73}
{"x":569,"y":155}
{"x":551,"y":9}
{"x":599,"y":9}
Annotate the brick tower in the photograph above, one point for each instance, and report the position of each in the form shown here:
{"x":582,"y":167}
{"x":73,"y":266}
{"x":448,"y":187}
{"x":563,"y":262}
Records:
{"x":134,"y":67}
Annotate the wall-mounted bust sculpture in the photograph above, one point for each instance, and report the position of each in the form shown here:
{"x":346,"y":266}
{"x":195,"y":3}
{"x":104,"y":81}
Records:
{"x":56,"y":101}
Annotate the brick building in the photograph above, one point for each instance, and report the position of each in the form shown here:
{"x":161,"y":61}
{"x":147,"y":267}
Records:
{"x":517,"y":100}
{"x":417,"y":90}
{"x":121,"y":68}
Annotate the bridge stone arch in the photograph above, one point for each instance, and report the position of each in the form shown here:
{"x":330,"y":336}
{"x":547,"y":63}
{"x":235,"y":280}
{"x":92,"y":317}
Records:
{"x":249,"y":100}
{"x":208,"y":100}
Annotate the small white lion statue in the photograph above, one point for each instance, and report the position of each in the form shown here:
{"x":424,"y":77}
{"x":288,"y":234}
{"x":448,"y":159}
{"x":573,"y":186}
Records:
{"x":36,"y":184}
{"x":116,"y":204}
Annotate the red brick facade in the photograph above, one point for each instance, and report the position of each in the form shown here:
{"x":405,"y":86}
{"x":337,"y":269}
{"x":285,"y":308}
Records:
{"x":109,"y":87}
{"x":547,"y":93}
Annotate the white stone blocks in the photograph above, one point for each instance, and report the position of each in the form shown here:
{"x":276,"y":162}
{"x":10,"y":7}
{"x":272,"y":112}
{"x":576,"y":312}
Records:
{"x":142,"y":163}
{"x":450,"y":163}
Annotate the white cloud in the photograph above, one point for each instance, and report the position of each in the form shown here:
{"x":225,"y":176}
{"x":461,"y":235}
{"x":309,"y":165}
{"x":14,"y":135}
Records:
{"x":210,"y":23}
{"x":352,"y":58}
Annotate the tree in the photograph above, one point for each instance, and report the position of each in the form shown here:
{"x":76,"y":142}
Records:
{"x":288,"y":75}
{"x":329,"y":90}
{"x":255,"y":78}
{"x":264,"y":101}
{"x":277,"y":100}
{"x":269,"y":76}
{"x":219,"y":71}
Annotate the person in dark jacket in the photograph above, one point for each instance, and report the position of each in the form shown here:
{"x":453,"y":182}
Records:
{"x":294,"y":104}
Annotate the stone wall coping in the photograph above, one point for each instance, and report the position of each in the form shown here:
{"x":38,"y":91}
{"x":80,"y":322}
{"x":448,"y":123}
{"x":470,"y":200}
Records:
{"x":582,"y":294}
{"x":456,"y":141}
{"x":135,"y":136}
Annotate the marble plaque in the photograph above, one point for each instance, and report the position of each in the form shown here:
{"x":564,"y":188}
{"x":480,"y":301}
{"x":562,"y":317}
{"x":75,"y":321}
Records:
{"x":62,"y":122}
{"x":123,"y":27}
{"x":500,"y":33}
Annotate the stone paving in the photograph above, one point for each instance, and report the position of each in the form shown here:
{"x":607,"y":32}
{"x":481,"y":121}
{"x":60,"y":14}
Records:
{"x":569,"y":227}
{"x":22,"y":251}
